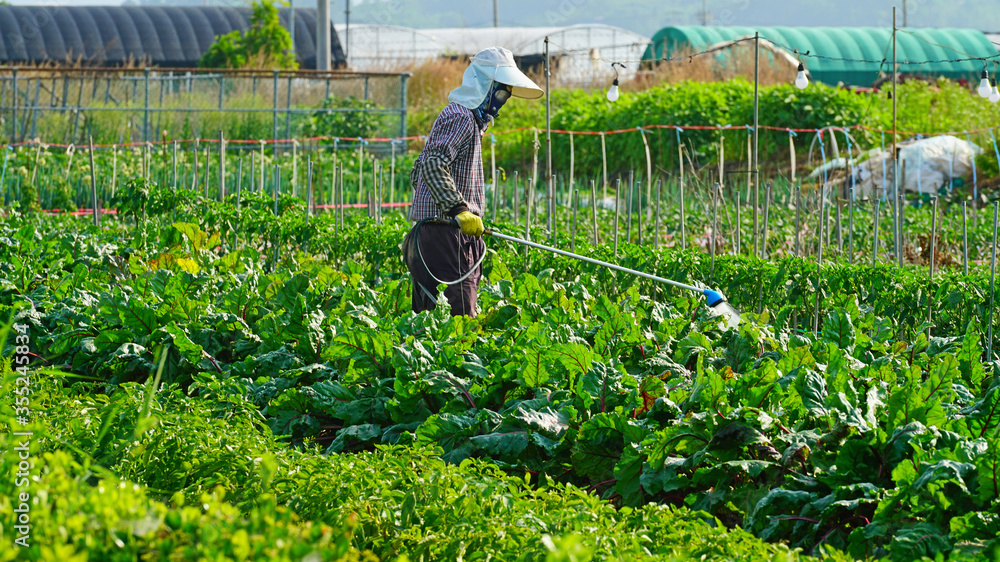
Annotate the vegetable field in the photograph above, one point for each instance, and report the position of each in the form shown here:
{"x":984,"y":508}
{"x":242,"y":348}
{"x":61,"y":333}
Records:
{"x":238,"y":377}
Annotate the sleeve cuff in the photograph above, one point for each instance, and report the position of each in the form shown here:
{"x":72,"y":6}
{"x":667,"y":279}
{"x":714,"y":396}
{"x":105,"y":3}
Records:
{"x":460,"y":208}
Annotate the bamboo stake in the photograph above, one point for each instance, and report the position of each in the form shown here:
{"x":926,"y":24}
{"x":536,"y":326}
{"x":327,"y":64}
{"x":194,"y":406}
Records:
{"x":716,"y":193}
{"x":380,"y":194}
{"x":340,"y":196}
{"x":628,"y":208}
{"x":749,"y":179}
{"x":493,"y":171}
{"x":174,"y":167}
{"x":767,"y":213}
{"x":736,"y":230}
{"x":239,"y":196}
{"x":251,"y":176}
{"x":593,"y":208}
{"x":930,"y":266}
{"x":576,"y":204}
{"x":659,"y":193}
{"x":737,"y":234}
{"x":517,"y":202}
{"x":528,"y":204}
{"x":604,"y":165}
{"x":618,"y":193}
{"x":392,"y":175}
{"x":878,"y":204}
{"x":840,"y":231}
{"x":900,"y":209}
{"x":850,"y":227}
{"x":993,"y":279}
{"x":309,"y":194}
{"x":295,"y":168}
{"x":496,"y":199}
{"x":361,"y":168}
{"x":222,"y":166}
{"x":638,"y":215}
{"x":93,"y":184}
{"x":208,"y":170}
{"x":572,"y":163}
{"x":798,"y":219}
{"x":649,"y":181}
{"x":680,"y":159}
{"x":114,"y":171}
{"x":965,"y":237}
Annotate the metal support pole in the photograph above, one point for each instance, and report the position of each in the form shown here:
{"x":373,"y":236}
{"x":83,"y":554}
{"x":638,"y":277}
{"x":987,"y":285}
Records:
{"x":347,"y":29}
{"x":323,"y":35}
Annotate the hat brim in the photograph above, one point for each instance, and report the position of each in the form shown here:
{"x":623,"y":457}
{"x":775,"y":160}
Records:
{"x":521,"y":85}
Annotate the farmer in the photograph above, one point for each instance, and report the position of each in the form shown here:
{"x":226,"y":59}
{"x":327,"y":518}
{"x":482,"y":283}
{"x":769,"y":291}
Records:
{"x":448,"y":184}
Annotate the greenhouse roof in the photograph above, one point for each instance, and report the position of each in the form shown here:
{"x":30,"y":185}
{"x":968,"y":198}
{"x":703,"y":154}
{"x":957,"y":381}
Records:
{"x":847,"y":55}
{"x":372,"y":46}
{"x":166,"y":36}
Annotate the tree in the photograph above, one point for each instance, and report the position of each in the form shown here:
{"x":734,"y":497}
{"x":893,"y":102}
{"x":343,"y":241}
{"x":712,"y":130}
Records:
{"x":266,"y":44}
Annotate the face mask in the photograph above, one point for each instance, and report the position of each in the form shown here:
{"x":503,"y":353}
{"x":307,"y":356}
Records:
{"x":490,"y":108}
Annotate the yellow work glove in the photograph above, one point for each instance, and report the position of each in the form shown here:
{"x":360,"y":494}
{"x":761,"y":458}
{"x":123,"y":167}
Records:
{"x":471,"y":224}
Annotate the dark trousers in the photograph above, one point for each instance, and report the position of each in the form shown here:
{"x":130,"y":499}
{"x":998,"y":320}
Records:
{"x":448,"y":255}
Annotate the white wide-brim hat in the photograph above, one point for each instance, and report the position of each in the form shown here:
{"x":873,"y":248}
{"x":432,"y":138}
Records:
{"x":493,"y":63}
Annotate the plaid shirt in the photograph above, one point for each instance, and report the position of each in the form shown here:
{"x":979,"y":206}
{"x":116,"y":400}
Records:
{"x":449,"y":170}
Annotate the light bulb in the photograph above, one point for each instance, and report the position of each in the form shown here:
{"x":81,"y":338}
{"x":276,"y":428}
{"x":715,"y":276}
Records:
{"x":801,"y":81}
{"x":613,"y":91}
{"x":984,"y":85}
{"x":994,"y":93}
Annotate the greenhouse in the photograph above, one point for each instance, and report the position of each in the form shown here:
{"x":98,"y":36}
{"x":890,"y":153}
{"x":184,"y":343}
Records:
{"x":582,"y":53}
{"x":844,"y":55}
{"x":167,"y":37}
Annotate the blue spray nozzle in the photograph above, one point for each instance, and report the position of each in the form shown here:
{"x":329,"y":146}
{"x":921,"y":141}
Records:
{"x":714,"y":298}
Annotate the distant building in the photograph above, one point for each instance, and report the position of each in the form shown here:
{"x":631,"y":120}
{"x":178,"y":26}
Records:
{"x":581,"y":53}
{"x":167,"y":37}
{"x":851,"y":56}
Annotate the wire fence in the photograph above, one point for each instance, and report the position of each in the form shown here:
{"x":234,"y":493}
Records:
{"x":116,"y":105}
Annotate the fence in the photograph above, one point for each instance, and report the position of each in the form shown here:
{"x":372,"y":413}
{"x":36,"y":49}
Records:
{"x":64,"y":105}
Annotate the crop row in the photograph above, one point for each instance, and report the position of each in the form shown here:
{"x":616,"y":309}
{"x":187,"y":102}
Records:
{"x":852,"y":435}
